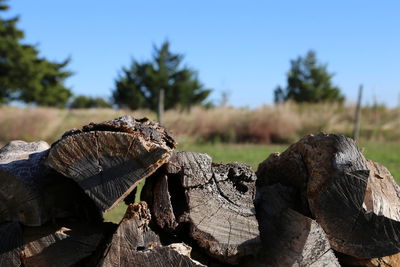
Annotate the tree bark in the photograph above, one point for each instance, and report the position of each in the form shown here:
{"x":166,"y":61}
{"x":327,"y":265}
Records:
{"x":134,"y":243}
{"x":109,"y":159}
{"x":214,"y":200}
{"x":355,"y":201}
{"x":21,"y":183}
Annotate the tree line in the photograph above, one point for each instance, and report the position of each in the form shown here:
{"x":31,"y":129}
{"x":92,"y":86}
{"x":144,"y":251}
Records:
{"x":27,"y":77}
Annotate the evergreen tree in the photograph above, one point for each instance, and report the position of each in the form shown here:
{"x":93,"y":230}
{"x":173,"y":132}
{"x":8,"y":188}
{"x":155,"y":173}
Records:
{"x":138,"y":86}
{"x":308,"y":81}
{"x":89,"y":102}
{"x":24,"y":75}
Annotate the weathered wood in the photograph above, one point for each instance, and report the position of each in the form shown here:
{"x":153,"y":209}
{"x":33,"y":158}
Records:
{"x":134,"y":243}
{"x":33,"y":194}
{"x":109,"y":159}
{"x":11,"y":242}
{"x":215,"y":200}
{"x":387,"y":261}
{"x":21,"y":183}
{"x":289,"y":238}
{"x":356,"y":202}
{"x":60,"y":245}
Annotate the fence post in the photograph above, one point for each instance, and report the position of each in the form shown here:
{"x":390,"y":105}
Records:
{"x":356,"y":131}
{"x":160,"y":110}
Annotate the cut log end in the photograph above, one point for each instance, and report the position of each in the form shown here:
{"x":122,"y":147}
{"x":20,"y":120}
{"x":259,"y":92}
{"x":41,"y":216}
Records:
{"x":215,"y":200}
{"x":108,"y":160}
{"x":355,"y":201}
{"x":21,"y":182}
{"x":135,"y":242}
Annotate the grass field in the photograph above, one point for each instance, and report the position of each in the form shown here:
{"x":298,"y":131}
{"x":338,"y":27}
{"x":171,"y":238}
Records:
{"x":388,"y":154}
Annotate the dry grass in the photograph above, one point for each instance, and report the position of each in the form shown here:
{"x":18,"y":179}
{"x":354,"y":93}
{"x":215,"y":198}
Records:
{"x":268,"y":124}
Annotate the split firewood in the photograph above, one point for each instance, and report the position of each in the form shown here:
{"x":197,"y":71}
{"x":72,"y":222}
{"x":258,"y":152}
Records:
{"x":355,"y":201}
{"x":134,"y":243}
{"x":214,"y":200}
{"x":56,"y":245}
{"x":21,"y":182}
{"x":33,"y":194}
{"x":387,"y":261}
{"x":109,"y":159}
{"x":11,"y":243}
{"x":288,"y":237}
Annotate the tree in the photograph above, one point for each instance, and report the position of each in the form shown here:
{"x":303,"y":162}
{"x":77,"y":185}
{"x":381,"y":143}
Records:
{"x":25,"y":76}
{"x":138,"y":86}
{"x":308,"y":81}
{"x":89,"y":102}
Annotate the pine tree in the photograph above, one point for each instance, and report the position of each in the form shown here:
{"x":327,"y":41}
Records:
{"x":82,"y":101}
{"x":25,"y":76}
{"x":138,"y":86}
{"x":308,"y":81}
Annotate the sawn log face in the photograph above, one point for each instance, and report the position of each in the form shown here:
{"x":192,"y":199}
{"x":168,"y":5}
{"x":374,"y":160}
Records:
{"x":22,"y":181}
{"x":134,"y":243}
{"x":109,"y":159}
{"x":215,"y":200}
{"x":355,"y":201}
{"x":288,"y":237}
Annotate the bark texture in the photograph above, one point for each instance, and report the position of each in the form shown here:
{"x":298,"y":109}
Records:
{"x":109,"y":159}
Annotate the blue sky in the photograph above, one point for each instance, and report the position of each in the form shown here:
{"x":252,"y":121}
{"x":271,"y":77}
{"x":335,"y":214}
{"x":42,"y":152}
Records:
{"x":241,"y":47}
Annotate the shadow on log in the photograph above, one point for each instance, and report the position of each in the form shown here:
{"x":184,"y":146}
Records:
{"x":210,"y":203}
{"x":355,"y":201}
{"x":109,"y":159}
{"x":288,"y":237}
{"x":11,"y":244}
{"x":57,"y":245}
{"x":21,"y":183}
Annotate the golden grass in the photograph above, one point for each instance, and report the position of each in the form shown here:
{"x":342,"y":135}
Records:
{"x":268,"y":124}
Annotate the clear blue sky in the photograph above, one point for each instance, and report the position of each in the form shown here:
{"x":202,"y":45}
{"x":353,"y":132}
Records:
{"x":242,"y":47}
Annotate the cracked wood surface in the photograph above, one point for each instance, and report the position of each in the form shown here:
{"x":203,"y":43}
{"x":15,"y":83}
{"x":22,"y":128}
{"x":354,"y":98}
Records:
{"x":354,"y":200}
{"x":109,"y":159}
{"x":134,"y":243}
{"x":215,"y":200}
{"x":21,"y":183}
{"x":288,"y":237}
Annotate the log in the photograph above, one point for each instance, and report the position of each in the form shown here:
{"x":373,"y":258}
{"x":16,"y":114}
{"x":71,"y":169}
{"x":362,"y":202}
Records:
{"x":21,"y":183}
{"x":109,"y":159}
{"x":61,"y":245}
{"x":11,"y":242}
{"x":288,"y":237}
{"x":387,"y":261}
{"x":214,"y":200}
{"x":355,"y":201}
{"x":134,"y":243}
{"x":33,"y":194}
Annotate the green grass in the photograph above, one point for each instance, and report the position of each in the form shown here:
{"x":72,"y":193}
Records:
{"x":250,"y":154}
{"x":387,"y":154}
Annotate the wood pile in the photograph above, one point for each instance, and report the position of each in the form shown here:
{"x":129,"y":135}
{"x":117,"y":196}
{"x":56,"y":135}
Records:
{"x":319,"y":203}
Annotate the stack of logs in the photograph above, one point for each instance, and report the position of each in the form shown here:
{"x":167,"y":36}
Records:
{"x":319,"y":203}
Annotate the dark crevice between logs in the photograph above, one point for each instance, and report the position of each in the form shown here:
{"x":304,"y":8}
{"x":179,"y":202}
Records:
{"x":177,"y":196}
